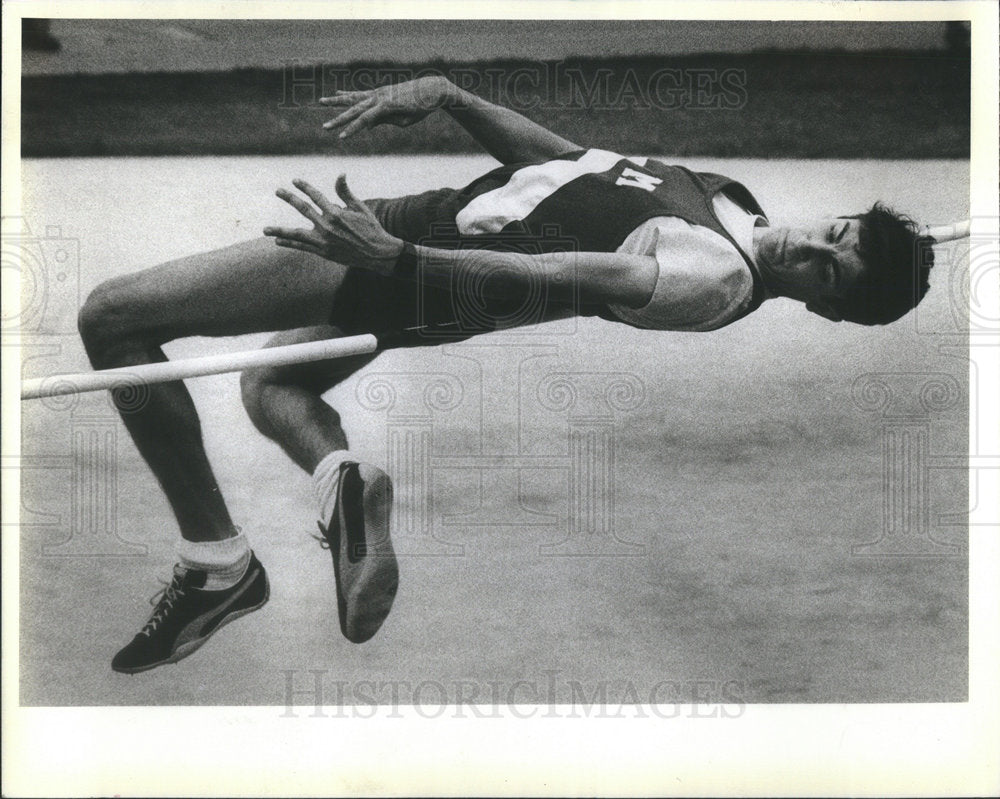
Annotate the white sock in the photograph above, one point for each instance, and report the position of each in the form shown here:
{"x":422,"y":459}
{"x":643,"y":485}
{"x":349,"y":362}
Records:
{"x":326,"y":478}
{"x":225,"y":562}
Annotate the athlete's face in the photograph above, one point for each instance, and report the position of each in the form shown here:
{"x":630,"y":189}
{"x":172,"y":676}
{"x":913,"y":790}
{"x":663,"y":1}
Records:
{"x":815,"y":263}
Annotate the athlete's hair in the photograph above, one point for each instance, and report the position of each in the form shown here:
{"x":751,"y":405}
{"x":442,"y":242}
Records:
{"x":897,"y":263}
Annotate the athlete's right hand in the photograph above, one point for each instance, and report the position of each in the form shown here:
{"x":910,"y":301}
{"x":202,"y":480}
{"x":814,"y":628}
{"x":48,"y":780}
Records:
{"x":349,"y":234}
{"x":401,"y":104}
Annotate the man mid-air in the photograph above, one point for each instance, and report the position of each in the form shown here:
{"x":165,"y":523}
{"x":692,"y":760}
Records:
{"x":653,"y":246}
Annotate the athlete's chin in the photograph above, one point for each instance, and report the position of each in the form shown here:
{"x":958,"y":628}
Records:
{"x":784,"y":284}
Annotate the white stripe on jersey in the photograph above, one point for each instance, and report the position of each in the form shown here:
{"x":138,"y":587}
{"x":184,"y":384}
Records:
{"x":518,"y":197}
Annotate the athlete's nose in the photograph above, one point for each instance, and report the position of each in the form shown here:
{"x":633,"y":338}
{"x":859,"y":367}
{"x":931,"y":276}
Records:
{"x":820,"y":246}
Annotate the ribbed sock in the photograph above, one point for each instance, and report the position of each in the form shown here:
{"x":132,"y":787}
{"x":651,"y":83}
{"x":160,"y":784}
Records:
{"x":225,"y":562}
{"x":326,"y":478}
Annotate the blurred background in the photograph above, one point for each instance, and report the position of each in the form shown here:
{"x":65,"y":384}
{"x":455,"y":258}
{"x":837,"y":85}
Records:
{"x":717,"y":88}
{"x":107,"y":45}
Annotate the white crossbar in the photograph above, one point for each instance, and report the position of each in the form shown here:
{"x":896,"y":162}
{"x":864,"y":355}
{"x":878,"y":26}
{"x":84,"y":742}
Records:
{"x":57,"y":385}
{"x":943,"y":233}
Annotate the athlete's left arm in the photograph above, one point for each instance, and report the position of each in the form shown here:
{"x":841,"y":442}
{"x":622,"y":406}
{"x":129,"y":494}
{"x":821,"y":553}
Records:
{"x":508,"y":136}
{"x":351,"y":235}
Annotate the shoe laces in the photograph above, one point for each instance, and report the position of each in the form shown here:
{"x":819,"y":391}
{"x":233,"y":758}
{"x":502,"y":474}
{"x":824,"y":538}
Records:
{"x":163,"y":600}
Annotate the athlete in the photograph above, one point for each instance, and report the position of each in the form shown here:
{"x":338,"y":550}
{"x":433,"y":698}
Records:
{"x":575,"y":230}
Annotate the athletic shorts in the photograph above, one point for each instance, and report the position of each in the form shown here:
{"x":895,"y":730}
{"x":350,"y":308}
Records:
{"x":372,"y":303}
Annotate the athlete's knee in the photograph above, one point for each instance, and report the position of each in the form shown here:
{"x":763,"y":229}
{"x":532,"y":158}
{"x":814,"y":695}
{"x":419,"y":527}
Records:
{"x":272,"y":395}
{"x":253,"y":389}
{"x":108,"y":319}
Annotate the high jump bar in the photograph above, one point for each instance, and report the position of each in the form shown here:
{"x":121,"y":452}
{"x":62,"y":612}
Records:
{"x":58,"y":385}
{"x":943,"y":233}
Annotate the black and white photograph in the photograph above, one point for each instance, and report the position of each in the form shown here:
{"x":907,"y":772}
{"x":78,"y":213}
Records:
{"x":542,"y":402}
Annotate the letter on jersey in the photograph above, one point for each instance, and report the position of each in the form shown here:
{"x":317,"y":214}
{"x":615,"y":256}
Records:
{"x":639,"y":180}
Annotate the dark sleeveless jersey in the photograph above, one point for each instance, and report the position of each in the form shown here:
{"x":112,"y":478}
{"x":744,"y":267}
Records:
{"x":587,"y":201}
{"x":591,"y":201}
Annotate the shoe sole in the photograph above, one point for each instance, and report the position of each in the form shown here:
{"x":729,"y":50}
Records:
{"x":364,"y":562}
{"x":192,"y":646}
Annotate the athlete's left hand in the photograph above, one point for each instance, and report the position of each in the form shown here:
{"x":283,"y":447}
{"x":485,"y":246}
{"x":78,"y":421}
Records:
{"x":350,"y":235}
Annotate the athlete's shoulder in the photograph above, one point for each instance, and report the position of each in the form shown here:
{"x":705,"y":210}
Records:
{"x":702,"y":284}
{"x":603,"y":155}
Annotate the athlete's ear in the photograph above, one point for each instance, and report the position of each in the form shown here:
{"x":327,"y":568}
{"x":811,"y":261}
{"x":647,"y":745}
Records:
{"x":824,"y":310}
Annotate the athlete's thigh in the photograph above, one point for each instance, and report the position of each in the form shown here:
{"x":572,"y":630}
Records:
{"x":246,"y":288}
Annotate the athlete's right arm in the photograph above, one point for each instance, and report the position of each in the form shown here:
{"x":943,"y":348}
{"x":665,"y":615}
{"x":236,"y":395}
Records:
{"x":505,"y":134}
{"x":568,"y":278}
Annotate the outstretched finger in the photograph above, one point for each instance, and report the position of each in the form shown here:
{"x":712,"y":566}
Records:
{"x":299,"y":205}
{"x":347,"y":195}
{"x":342,"y":97}
{"x":300,"y":235}
{"x":316,"y":196}
{"x":365,"y":120}
{"x":356,"y":109}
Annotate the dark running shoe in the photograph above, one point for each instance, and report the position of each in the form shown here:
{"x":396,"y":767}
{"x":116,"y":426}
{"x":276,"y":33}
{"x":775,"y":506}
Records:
{"x":364,"y":563}
{"x":186,"y":616}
